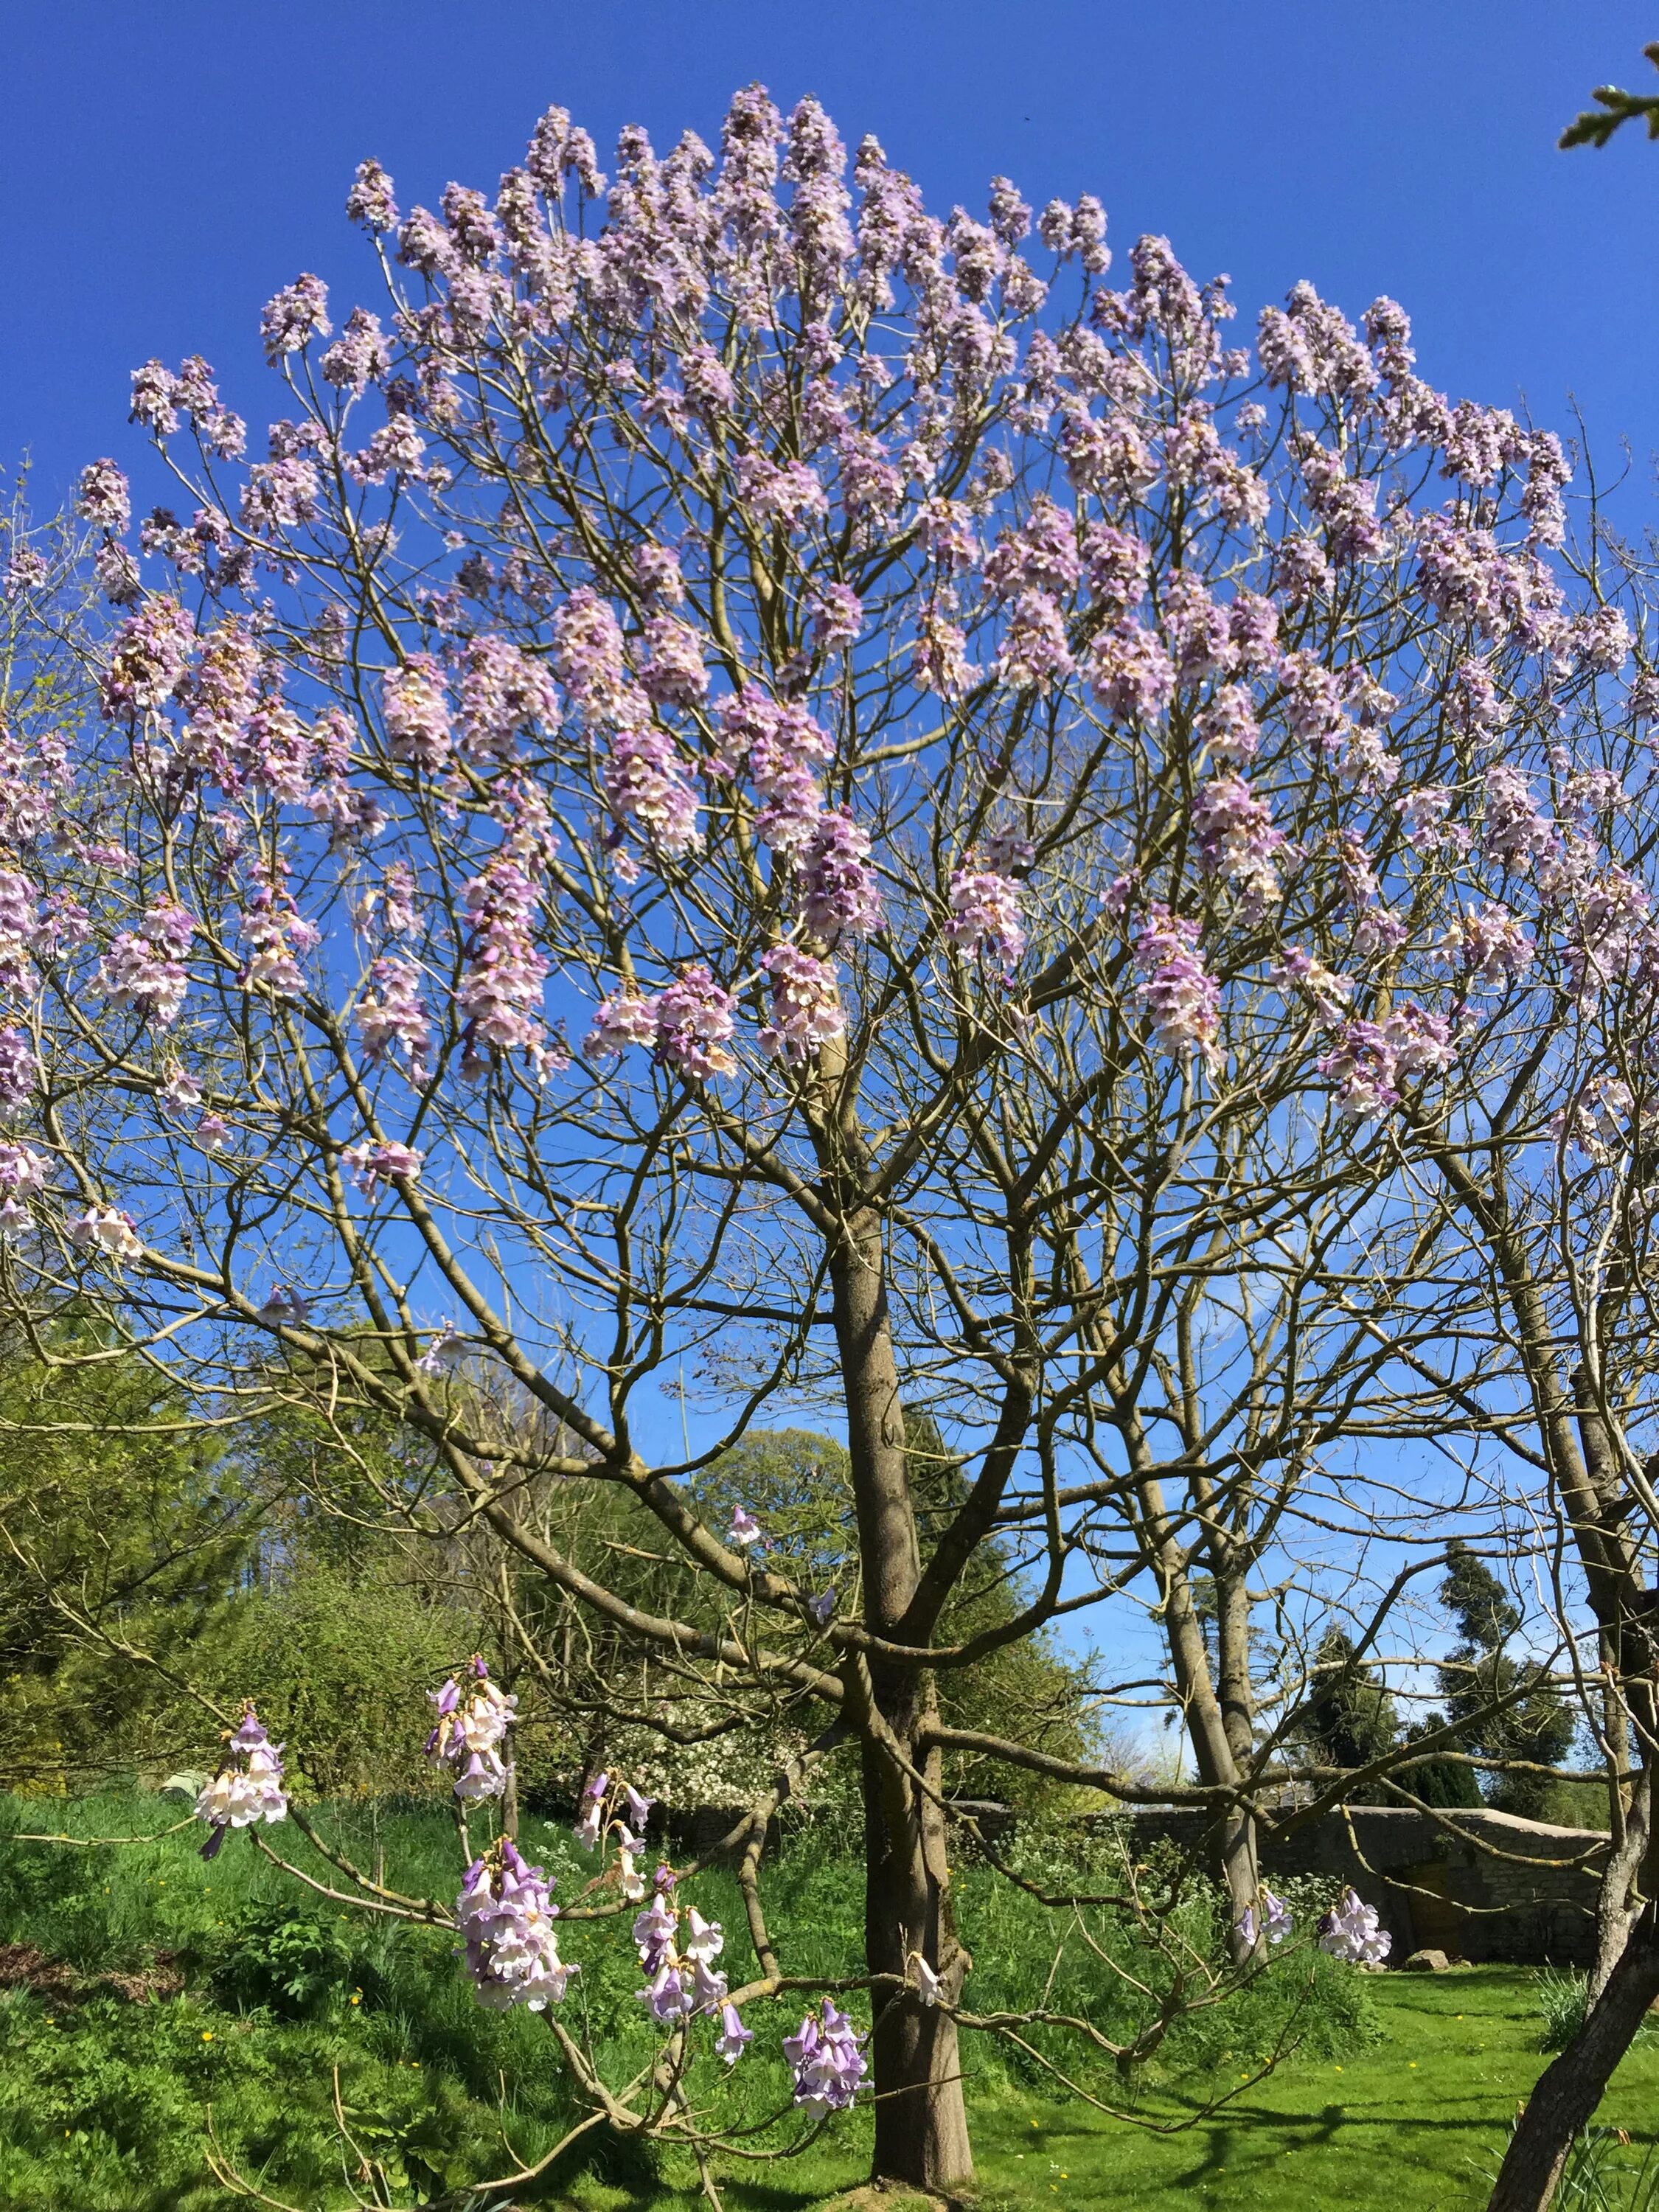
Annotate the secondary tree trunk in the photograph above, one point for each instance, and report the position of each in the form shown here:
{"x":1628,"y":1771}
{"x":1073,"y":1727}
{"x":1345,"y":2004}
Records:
{"x":1570,"y":2089}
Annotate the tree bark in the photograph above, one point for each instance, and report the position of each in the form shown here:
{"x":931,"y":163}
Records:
{"x":921,"y":2116}
{"x":1571,"y":2088}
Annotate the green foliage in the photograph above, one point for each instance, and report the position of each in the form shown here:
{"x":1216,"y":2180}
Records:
{"x":339,"y":1658}
{"x":1595,"y":127}
{"x":288,"y":1962}
{"x":121,"y":1518}
{"x":1350,"y":1718}
{"x":1539,"y":1727}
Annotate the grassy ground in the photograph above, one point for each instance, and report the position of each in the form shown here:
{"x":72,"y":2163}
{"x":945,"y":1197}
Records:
{"x":1415,"y":2123}
{"x":140,"y":1989}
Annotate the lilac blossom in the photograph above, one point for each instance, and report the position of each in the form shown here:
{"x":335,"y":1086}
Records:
{"x":826,"y":2057}
{"x":105,"y":1232}
{"x":372,"y":1165}
{"x":696,"y":1018}
{"x":473,"y":1718}
{"x":392,"y":1016}
{"x":417,"y":713}
{"x":102,"y":497}
{"x":1352,"y":1930}
{"x":839,"y":894}
{"x":294,"y":316}
{"x":1131,"y":673}
{"x":985,"y":912}
{"x":625,"y":1018}
{"x":505,"y":1916}
{"x":807,"y":1010}
{"x":1236,"y":839}
{"x":1182,"y":1001}
{"x":646,"y":786}
{"x":248,"y":1786}
{"x":837,"y":616}
{"x":498,"y":1000}
{"x":591,"y":1816}
{"x":151,"y":655}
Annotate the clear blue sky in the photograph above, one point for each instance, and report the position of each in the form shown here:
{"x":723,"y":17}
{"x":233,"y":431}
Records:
{"x":166,"y":166}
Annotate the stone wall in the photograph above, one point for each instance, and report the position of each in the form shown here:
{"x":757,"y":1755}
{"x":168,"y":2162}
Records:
{"x":1499,"y":1888}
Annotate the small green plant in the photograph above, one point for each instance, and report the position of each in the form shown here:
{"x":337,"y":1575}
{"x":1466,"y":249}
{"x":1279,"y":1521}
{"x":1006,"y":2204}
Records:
{"x":283,"y":1962}
{"x":1605,"y":2173}
{"x":1564,"y":2000}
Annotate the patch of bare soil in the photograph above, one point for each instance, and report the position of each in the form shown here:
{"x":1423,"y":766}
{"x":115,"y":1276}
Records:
{"x":23,"y":1967}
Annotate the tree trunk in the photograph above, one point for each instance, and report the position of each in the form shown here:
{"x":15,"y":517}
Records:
{"x":1571,"y":2088}
{"x":921,"y":2118}
{"x":1231,"y":1837}
{"x":1240,"y":1861}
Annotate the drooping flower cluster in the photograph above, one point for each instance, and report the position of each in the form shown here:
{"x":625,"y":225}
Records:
{"x":1370,"y":1059}
{"x":1274,"y":1924}
{"x":393,"y":1016}
{"x":143,"y":968}
{"x":826,"y":2056}
{"x":681,"y":1979}
{"x":103,"y":1231}
{"x":248,"y":1786}
{"x":505,"y":1915}
{"x":1352,"y":1930}
{"x":806,"y":1009}
{"x":371,"y":1165}
{"x":1237,"y":838}
{"x":23,"y":1174}
{"x":1182,"y":1000}
{"x":688,"y":1025}
{"x":473,"y":1719}
{"x":499,"y":1002}
{"x":985,"y":912}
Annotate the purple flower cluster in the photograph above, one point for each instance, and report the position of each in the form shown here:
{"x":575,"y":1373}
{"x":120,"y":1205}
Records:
{"x":152,"y":653}
{"x":1181,"y":999}
{"x":394,"y":1017}
{"x":1352,"y":1930}
{"x":646,"y":787}
{"x":416,"y":707}
{"x":807,"y":1010}
{"x":838,"y":886}
{"x":248,"y":1786}
{"x":1275,"y":1923}
{"x":826,"y":2056}
{"x":505,"y":1915}
{"x":1236,"y":839}
{"x":985,"y":912}
{"x":294,"y":316}
{"x":277,"y":938}
{"x":143,"y":968}
{"x":681,"y":1979}
{"x":472,"y":1726}
{"x":103,"y":1231}
{"x":498,"y":1000}
{"x":1370,"y":1059}
{"x":687,"y":1026}
{"x":372,"y":1164}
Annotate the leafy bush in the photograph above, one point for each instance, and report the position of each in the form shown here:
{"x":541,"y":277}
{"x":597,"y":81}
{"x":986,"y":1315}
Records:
{"x":283,"y":1961}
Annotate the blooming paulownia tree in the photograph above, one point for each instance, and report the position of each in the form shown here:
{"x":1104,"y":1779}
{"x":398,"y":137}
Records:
{"x":757,"y":778}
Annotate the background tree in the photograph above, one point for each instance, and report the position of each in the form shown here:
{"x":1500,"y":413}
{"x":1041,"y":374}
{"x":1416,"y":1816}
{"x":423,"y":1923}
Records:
{"x":1533,"y":1723}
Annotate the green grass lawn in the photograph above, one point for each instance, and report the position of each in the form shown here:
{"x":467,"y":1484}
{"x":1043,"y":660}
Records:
{"x":158,"y":1987}
{"x":1416,"y":2123}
